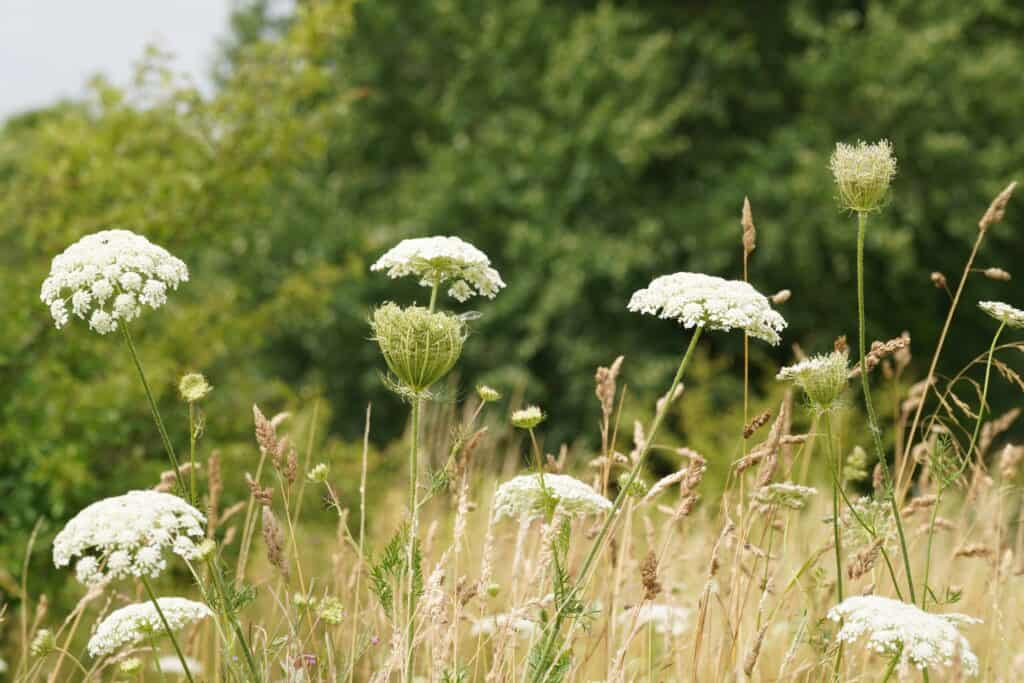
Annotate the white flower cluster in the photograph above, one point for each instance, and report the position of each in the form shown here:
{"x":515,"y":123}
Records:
{"x":108,"y":277}
{"x":524,"y":496}
{"x":505,"y":623}
{"x":436,"y":260}
{"x":133,"y":624}
{"x":863,"y":173}
{"x":697,"y":300}
{"x":784,"y":495}
{"x":667,"y":620}
{"x":127,"y":536}
{"x":1004,"y":313}
{"x":922,"y":639}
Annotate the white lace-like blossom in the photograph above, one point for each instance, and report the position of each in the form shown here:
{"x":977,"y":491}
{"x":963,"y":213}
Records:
{"x":135,"y":623}
{"x":436,"y":260}
{"x":500,"y":624}
{"x":1004,"y":313}
{"x":108,"y":277}
{"x":523,"y":496}
{"x":667,"y":620}
{"x":922,"y":639}
{"x":784,"y":494}
{"x":697,"y":300}
{"x":128,"y":535}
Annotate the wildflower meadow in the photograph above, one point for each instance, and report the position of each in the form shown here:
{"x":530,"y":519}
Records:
{"x":749,"y":483}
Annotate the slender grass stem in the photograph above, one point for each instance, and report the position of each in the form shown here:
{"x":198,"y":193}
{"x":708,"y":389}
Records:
{"x":410,"y":658}
{"x":892,"y":667}
{"x":226,"y":610}
{"x":876,"y":434}
{"x":833,"y":464}
{"x":168,"y":447}
{"x":167,"y":627}
{"x":551,"y":636}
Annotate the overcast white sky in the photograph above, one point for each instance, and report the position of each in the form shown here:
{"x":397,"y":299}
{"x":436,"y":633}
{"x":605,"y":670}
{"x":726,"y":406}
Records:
{"x":49,"y":48}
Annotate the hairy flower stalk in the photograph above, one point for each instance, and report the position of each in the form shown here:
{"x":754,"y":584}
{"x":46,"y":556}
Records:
{"x":697,"y":302}
{"x":108,"y":277}
{"x":420,"y":346}
{"x":863,"y":174}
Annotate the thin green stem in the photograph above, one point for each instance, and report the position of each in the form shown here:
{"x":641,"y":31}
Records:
{"x":595,"y":548}
{"x":433,"y":296}
{"x":876,"y":433}
{"x":226,"y":610}
{"x":413,"y":530}
{"x":967,"y":458}
{"x":153,"y":407}
{"x":167,"y":627}
{"x":836,"y":485}
{"x":192,"y":452}
{"x":892,"y":666}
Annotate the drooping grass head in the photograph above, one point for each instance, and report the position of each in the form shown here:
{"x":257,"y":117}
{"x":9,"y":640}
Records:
{"x":419,"y":347}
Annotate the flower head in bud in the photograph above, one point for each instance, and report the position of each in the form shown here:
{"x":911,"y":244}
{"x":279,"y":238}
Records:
{"x":130,"y":666}
{"x":1004,"y":313}
{"x":419,"y":347}
{"x":636,"y":489}
{"x":331,"y":610}
{"x":528,"y":418}
{"x":856,"y":465}
{"x":863,"y":173}
{"x":784,"y":495}
{"x":318,"y":474}
{"x":193,"y":387}
{"x":823,"y":378}
{"x":436,"y":260}
{"x":487,"y":394}
{"x":43,"y":644}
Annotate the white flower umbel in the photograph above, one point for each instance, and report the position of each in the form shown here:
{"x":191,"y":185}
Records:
{"x":893,"y":628}
{"x":135,"y":623}
{"x":863,"y":173}
{"x":128,"y":536}
{"x":1004,"y":313}
{"x":667,"y":620}
{"x":524,"y":496}
{"x":501,"y":624}
{"x":437,"y":260}
{"x":697,"y":300}
{"x":784,"y":495}
{"x":107,"y":277}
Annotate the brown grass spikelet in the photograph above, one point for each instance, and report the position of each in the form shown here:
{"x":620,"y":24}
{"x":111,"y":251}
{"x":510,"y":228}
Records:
{"x":263,"y":496}
{"x":781,"y":296}
{"x":215,"y":482}
{"x":974,"y":550}
{"x":750,"y":661}
{"x":274,"y":538}
{"x":605,"y":385}
{"x":997,"y":274}
{"x":1009,"y":460}
{"x":649,"y":576}
{"x":997,"y":209}
{"x":918,"y":504}
{"x":880,"y":350}
{"x":266,"y":433}
{"x":840,"y":345}
{"x":749,"y":231}
{"x":755,"y":424}
{"x":993,"y":428}
{"x":864,"y":560}
{"x":938,"y":279}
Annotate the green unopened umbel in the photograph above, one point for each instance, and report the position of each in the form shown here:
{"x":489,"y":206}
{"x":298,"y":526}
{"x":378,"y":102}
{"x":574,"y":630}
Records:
{"x":419,"y":347}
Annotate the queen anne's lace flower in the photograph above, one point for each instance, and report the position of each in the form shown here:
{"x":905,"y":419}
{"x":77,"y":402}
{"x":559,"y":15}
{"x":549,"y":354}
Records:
{"x":436,"y":260}
{"x":667,"y":620}
{"x":1004,"y":313}
{"x":697,"y":300}
{"x":784,"y":494}
{"x":501,"y":624}
{"x":523,"y":496}
{"x":108,"y":277}
{"x":823,"y":378}
{"x":127,"y":536}
{"x":863,"y":173}
{"x":922,"y":639}
{"x":135,"y":623}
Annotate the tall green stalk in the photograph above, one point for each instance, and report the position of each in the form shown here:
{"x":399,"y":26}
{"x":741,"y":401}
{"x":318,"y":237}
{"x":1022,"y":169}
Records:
{"x":167,"y":627}
{"x":837,"y":482}
{"x":551,"y":636}
{"x":168,"y":447}
{"x":876,"y":433}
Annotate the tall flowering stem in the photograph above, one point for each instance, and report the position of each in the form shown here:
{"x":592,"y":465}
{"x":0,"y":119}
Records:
{"x":876,"y":433}
{"x":598,"y":544}
{"x":168,"y":447}
{"x":167,"y":627}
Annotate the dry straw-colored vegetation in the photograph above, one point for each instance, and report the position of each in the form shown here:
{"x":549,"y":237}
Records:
{"x":499,"y":560}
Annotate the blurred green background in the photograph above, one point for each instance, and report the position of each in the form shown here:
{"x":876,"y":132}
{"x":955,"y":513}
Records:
{"x":585,"y":146}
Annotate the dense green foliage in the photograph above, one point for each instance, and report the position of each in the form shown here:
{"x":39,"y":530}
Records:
{"x":586,"y":147}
